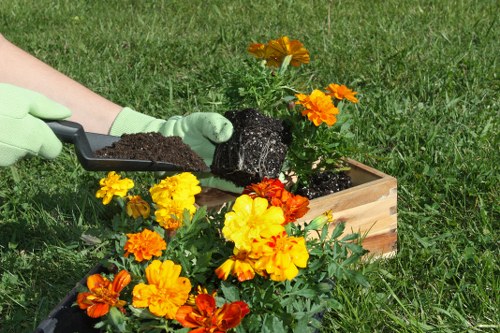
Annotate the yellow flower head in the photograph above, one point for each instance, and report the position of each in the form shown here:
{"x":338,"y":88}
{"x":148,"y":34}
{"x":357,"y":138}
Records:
{"x":165,"y":292}
{"x":172,"y":195}
{"x":251,"y":219}
{"x":275,"y":51}
{"x":340,"y":92}
{"x":112,"y":185}
{"x":136,"y":206}
{"x":144,"y":245}
{"x":240,"y":265}
{"x":182,"y":186}
{"x":280,"y":255}
{"x":169,"y":213}
{"x":318,"y":107}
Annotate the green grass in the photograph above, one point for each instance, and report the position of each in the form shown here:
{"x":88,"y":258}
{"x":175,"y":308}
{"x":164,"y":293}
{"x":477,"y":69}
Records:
{"x":428,"y":80}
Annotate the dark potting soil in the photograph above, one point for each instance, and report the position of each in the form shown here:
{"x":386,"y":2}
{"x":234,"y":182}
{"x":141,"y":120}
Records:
{"x":324,"y":183}
{"x":154,"y":147}
{"x":257,"y":148}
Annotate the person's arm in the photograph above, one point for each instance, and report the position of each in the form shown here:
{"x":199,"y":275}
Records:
{"x":17,"y":67}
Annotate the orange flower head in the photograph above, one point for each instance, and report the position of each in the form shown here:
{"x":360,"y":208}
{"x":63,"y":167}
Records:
{"x":340,"y":92}
{"x":268,"y":188}
{"x":280,"y":255}
{"x":136,"y":206}
{"x":205,"y":317}
{"x":318,"y":107}
{"x":144,"y":245}
{"x":275,"y":51}
{"x":239,"y":264}
{"x":103,"y":294}
{"x":258,"y":50}
{"x":294,"y":206}
{"x":282,"y":47}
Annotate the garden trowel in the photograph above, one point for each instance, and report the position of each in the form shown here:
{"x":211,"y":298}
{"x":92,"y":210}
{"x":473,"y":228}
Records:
{"x":86,"y":144}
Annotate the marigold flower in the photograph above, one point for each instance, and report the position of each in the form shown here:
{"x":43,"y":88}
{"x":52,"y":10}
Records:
{"x":275,"y":51}
{"x":183,"y":186}
{"x":268,"y":188}
{"x":137,"y":206}
{"x":240,"y":265}
{"x":251,"y":219}
{"x":113,"y":185}
{"x":173,"y":195}
{"x":144,"y":245}
{"x":103,"y":294}
{"x":340,"y":92}
{"x":318,"y":107}
{"x":280,"y":255}
{"x":169,"y":214}
{"x":294,"y":206}
{"x":165,"y":292}
{"x":205,"y":317}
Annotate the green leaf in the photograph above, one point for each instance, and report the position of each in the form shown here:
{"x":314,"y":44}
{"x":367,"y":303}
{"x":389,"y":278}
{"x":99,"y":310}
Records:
{"x":339,"y":229}
{"x":230,"y":292}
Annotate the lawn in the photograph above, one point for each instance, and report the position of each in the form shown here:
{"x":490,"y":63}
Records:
{"x":428,"y":81}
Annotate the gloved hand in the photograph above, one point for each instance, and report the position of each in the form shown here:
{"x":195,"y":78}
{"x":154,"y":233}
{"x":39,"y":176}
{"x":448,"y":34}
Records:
{"x":199,"y":130}
{"x":21,"y":132}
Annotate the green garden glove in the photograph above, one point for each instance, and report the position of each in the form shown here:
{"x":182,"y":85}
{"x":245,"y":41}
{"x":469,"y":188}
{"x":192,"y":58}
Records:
{"x":199,"y":130}
{"x":21,"y":131}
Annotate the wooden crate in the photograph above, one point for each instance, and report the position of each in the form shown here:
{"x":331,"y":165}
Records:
{"x":368,"y":208}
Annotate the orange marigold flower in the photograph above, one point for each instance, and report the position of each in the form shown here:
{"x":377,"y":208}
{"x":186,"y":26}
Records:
{"x":144,"y":245}
{"x":340,"y":92}
{"x":112,"y":185}
{"x":268,"y":188}
{"x":294,"y":206}
{"x":205,"y":317}
{"x":318,"y":107}
{"x":240,"y":265}
{"x":165,"y":292}
{"x":258,"y":50}
{"x":103,"y":294}
{"x":275,"y":51}
{"x":280,"y":255}
{"x":137,"y":206}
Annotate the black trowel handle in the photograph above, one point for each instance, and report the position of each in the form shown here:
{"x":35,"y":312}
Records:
{"x":66,"y":131}
{"x":71,"y":132}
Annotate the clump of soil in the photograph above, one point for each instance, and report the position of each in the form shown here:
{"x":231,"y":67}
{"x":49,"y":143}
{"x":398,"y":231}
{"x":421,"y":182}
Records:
{"x":324,"y":183}
{"x":257,"y":148}
{"x":154,"y":147}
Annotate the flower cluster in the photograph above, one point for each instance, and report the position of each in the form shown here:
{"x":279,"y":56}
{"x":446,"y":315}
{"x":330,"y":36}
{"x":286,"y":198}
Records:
{"x":317,"y":117}
{"x":172,"y":195}
{"x":256,"y":226}
{"x":247,"y":254}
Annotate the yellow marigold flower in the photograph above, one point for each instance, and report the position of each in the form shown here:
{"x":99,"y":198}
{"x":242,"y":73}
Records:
{"x":112,"y":185}
{"x":318,"y":107}
{"x":340,"y":92}
{"x":251,"y":219}
{"x":179,"y":187}
{"x":165,"y":292}
{"x":136,"y":206}
{"x":275,"y":51}
{"x":240,"y":265}
{"x":144,"y":245}
{"x":169,"y":213}
{"x":280,"y":255}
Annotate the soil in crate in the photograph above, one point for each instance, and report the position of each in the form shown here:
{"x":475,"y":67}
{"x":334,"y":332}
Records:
{"x":153,"y":147}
